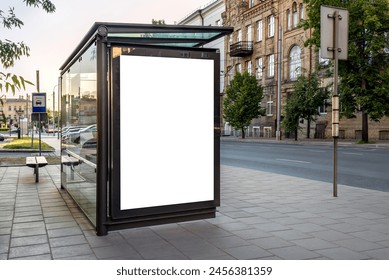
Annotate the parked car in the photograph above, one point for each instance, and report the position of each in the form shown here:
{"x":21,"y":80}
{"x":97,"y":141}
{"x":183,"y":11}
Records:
{"x":14,"y":130}
{"x":81,"y":134}
{"x":71,"y":133}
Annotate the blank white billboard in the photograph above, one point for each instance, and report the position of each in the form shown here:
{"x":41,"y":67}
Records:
{"x":166,"y":131}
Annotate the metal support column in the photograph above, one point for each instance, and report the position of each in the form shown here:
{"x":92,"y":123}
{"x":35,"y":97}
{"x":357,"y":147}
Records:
{"x":102,"y":131}
{"x":335,"y":103}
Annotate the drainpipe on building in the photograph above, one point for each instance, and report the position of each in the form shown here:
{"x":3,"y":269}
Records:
{"x":279,"y":69}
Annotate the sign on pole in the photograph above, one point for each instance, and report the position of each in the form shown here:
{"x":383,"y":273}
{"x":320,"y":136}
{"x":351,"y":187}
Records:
{"x":328,"y":32}
{"x":39,"y":102}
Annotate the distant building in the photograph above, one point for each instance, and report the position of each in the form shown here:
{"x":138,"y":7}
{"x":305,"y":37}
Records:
{"x":210,"y":15}
{"x":15,"y":110}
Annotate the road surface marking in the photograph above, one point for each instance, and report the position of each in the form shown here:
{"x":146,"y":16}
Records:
{"x":292,"y":160}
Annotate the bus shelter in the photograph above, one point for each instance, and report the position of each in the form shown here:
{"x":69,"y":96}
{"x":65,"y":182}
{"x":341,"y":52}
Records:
{"x":140,"y":118}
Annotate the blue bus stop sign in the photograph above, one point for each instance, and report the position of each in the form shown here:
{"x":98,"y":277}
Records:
{"x":39,"y":102}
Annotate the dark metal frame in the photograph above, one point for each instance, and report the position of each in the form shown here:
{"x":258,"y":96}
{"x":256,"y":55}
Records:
{"x":146,"y":216}
{"x":108,"y":216}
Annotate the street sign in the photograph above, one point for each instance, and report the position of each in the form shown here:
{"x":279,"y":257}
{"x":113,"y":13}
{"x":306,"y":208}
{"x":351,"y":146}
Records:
{"x":39,"y":102}
{"x":328,"y":32}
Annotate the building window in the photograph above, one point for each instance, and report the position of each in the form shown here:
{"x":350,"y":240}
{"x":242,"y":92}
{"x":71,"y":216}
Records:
{"x":295,"y":62}
{"x":269,"y":108}
{"x":259,"y":30}
{"x":239,"y":68}
{"x":323,"y":108}
{"x":288,"y":20}
{"x":259,"y":68}
{"x":229,"y":75}
{"x":239,"y":39}
{"x":249,"y":67}
{"x":9,"y":108}
{"x":295,"y":15}
{"x":301,"y":12}
{"x":249,"y":32}
{"x":251,"y":3}
{"x":270,"y":66}
{"x":271,"y":26}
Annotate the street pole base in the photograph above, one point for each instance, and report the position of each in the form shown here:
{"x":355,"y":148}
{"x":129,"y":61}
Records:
{"x":278,"y":135}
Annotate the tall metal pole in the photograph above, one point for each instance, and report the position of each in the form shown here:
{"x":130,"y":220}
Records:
{"x":335,"y":103}
{"x":59,"y":103}
{"x":102,"y":132}
{"x":279,"y":67}
{"x":54,"y":109}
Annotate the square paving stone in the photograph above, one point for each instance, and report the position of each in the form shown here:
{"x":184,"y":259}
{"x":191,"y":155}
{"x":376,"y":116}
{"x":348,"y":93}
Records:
{"x":272,"y":242}
{"x":71,"y":251}
{"x":294,"y":253}
{"x":357,"y":244}
{"x":228,"y":242}
{"x":29,"y":240}
{"x":248,"y":252}
{"x":64,"y":232}
{"x":378,"y":254}
{"x":314,"y":243}
{"x":342,"y":254}
{"x":26,"y":251}
{"x":67,"y":241}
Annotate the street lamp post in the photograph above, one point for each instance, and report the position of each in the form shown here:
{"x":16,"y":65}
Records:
{"x":20,"y":132}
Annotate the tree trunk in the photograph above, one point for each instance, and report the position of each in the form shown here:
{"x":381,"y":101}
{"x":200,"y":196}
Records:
{"x":365,"y":127}
{"x":309,"y":128}
{"x":243,"y":133}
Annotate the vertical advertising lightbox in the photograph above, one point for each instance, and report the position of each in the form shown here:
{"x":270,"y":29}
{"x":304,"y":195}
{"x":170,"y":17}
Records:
{"x":166,"y":139}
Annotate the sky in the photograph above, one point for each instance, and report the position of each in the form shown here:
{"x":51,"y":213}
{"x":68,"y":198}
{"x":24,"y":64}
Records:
{"x":53,"y":37}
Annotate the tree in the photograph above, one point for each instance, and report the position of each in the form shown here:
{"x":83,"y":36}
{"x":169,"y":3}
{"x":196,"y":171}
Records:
{"x":158,"y":22}
{"x":364,"y":77}
{"x":242,"y":102}
{"x":12,"y":51}
{"x":305,"y":100}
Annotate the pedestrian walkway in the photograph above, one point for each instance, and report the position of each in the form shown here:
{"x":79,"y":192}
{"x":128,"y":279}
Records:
{"x":263,"y":216}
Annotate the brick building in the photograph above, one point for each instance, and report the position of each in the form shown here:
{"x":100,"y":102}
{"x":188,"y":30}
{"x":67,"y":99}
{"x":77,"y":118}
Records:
{"x":253,"y":47}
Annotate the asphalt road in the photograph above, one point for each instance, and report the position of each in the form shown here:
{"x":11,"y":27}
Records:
{"x":358,"y":166}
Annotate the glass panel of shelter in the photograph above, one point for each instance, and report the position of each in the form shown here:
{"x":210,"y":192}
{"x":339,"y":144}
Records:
{"x":79,"y":131}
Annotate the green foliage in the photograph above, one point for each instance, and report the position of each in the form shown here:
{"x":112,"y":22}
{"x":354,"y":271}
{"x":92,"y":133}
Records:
{"x":364,"y":76}
{"x":159,"y":21}
{"x":10,"y":51}
{"x":25,"y":143}
{"x":242,"y":102}
{"x":307,"y":96}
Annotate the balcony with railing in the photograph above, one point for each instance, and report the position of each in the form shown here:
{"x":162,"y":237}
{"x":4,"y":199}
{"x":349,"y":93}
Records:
{"x":241,"y":49}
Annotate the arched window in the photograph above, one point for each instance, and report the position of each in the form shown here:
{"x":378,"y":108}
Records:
{"x":288,"y":20}
{"x":294,"y":62}
{"x":294,"y":14}
{"x":301,"y":11}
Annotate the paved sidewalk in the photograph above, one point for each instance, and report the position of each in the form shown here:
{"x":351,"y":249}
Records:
{"x":263,"y":216}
